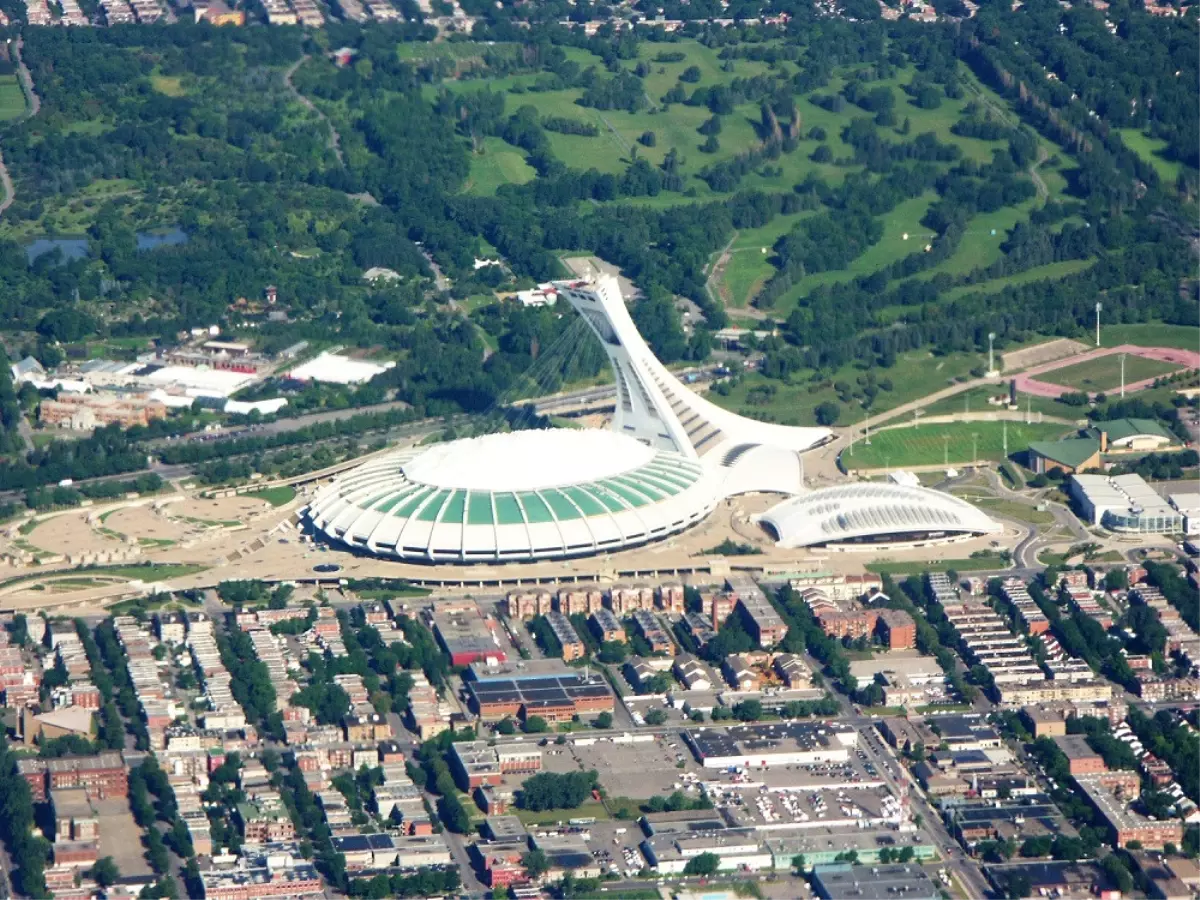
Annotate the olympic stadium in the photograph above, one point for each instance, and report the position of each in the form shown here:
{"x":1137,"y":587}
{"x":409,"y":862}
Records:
{"x":668,"y":459}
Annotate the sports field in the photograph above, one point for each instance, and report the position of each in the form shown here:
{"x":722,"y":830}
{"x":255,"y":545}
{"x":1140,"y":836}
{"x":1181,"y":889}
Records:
{"x":945,"y":444}
{"x":12,"y":100}
{"x":1104,"y":373}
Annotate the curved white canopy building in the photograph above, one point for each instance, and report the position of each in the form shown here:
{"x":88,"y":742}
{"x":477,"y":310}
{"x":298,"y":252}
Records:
{"x":871,"y":513}
{"x":670,"y":457}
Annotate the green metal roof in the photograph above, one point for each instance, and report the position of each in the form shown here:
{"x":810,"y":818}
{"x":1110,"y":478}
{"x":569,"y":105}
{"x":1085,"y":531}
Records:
{"x":1119,"y":429}
{"x":1072,"y":452}
{"x":654,"y":482}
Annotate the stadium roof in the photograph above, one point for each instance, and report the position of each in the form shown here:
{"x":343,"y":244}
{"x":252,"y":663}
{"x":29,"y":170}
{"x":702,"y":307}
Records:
{"x":865,"y":510}
{"x":519,"y":495}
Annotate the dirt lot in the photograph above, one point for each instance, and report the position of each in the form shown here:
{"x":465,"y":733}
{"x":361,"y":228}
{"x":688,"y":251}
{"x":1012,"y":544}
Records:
{"x":120,"y":836}
{"x":223,"y":510}
{"x":144,"y":522}
{"x":71,"y":534}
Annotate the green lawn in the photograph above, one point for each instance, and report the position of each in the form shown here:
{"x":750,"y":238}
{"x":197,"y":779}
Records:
{"x":749,"y":267}
{"x":1181,"y":337}
{"x":12,"y":98}
{"x":916,"y":567}
{"x":975,"y":400}
{"x":1104,"y":374}
{"x":276,"y":496}
{"x":1048,"y":272}
{"x":1150,"y":149}
{"x":496,"y":164}
{"x":1015,"y":510}
{"x":171,"y":85}
{"x":590,"y":809}
{"x":914,"y":376}
{"x":945,"y":444}
{"x":903,"y":234}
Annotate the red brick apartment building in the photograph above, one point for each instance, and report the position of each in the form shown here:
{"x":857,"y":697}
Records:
{"x":102,"y":776}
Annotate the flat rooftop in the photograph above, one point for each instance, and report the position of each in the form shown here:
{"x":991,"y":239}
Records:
{"x":842,"y":881}
{"x":753,"y":741}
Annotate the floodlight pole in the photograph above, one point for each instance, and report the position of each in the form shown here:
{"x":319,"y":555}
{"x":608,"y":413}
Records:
{"x":974,"y":447}
{"x":992,"y":354}
{"x":1005,"y":433}
{"x":945,"y":450}
{"x":1122,"y":374}
{"x":1099,"y":306}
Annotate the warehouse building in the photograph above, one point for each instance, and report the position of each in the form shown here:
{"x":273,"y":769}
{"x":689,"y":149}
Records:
{"x":775,"y":744}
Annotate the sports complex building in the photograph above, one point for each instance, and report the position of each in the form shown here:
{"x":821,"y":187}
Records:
{"x":668,"y":459}
{"x":866,"y":514}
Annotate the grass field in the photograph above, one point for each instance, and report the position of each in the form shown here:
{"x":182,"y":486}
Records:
{"x":171,"y":85}
{"x":1014,"y":510}
{"x":1104,"y":374}
{"x":1156,"y":334}
{"x":792,"y":403}
{"x":975,"y":400}
{"x":497,"y":164}
{"x":916,"y":567}
{"x":1048,"y":272}
{"x":945,"y":444}
{"x":12,"y":98}
{"x":1150,"y":149}
{"x":276,"y":496}
{"x":590,"y":809}
{"x":749,"y":267}
{"x":905,"y":219}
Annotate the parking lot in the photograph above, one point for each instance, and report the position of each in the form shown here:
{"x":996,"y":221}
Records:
{"x":116,"y":828}
{"x":637,"y":770}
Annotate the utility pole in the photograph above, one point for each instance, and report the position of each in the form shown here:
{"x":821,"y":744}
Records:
{"x":1099,"y":306}
{"x":1122,"y":374}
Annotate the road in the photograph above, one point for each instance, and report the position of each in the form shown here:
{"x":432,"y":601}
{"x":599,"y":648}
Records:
{"x":34,"y":105}
{"x":335,"y":139}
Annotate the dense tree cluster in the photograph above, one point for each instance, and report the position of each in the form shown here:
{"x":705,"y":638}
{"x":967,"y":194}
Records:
{"x":552,"y":790}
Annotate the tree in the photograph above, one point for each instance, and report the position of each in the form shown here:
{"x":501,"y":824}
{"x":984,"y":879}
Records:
{"x":604,"y":720}
{"x":798,"y":862}
{"x":1019,"y":886}
{"x":536,"y":725}
{"x":1116,"y":869}
{"x":536,"y":863}
{"x":705,"y":864}
{"x":551,"y":790}
{"x":656,"y":717}
{"x":827,"y":413}
{"x":105,"y":871}
{"x":506,"y":726}
{"x":748,"y":711}
{"x":648,"y":139}
{"x":613,"y":652}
